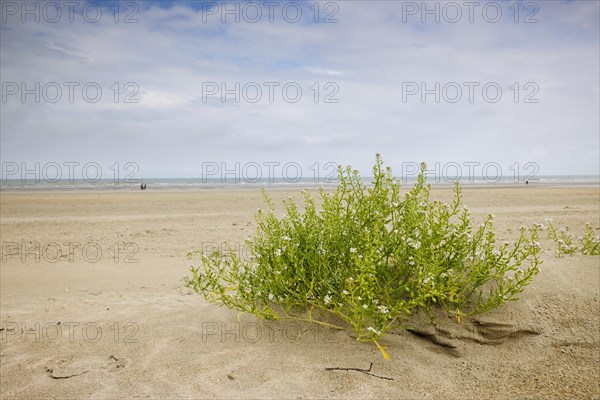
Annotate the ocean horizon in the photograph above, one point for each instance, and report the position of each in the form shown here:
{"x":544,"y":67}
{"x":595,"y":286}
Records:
{"x":305,"y":182}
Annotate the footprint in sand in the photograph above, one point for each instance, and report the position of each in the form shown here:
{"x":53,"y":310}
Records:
{"x":64,"y":369}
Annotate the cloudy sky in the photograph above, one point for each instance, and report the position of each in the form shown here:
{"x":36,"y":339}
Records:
{"x":187,"y":83}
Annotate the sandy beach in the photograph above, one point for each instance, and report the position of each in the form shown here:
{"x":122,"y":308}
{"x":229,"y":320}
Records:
{"x":93,"y":306}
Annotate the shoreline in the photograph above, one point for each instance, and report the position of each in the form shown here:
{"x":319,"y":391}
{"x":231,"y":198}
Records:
{"x":289,"y":188}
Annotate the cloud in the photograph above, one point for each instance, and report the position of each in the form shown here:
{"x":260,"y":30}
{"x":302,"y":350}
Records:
{"x":323,"y":71}
{"x":353,"y":77}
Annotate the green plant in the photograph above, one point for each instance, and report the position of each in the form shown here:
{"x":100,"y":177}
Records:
{"x":589,"y":245}
{"x":370,"y":256}
{"x":563,"y":239}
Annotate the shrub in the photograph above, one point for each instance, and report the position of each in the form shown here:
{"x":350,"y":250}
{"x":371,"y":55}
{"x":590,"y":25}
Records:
{"x":588,"y":244}
{"x":370,"y":256}
{"x":563,"y":239}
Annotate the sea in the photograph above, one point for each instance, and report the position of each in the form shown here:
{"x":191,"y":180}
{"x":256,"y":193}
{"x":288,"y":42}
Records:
{"x":276,"y":183}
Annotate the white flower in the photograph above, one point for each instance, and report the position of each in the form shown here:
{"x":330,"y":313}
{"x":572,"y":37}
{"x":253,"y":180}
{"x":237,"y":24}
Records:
{"x":383,"y":309}
{"x":539,"y":225}
{"x":327,"y":299}
{"x":375,"y":331}
{"x":270,"y":296}
{"x":365,"y":306}
{"x":414,"y":244}
{"x":345,"y":292}
{"x":359,"y":298}
{"x":427,"y":280}
{"x":353,"y":250}
{"x":277,"y":252}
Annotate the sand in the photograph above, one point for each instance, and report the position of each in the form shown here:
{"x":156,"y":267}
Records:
{"x":95,"y":322}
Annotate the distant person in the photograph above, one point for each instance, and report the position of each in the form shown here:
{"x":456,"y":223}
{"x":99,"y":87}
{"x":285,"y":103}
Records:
{"x":143,"y":186}
{"x":527,"y":182}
